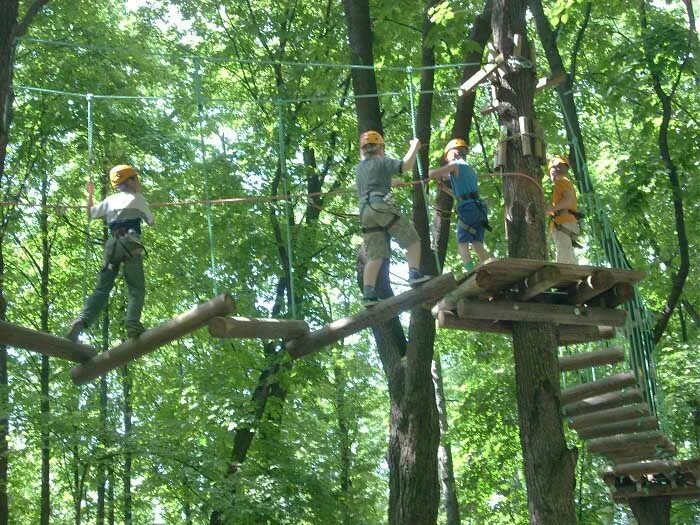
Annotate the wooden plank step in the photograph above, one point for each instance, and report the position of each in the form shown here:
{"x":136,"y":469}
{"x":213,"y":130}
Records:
{"x":605,"y":356}
{"x":603,"y":402}
{"x":152,"y":339}
{"x":611,"y":415}
{"x":629,"y":426}
{"x":44,"y":343}
{"x":594,"y":388}
{"x":383,"y":311}
{"x":254,"y":328}
{"x":654,"y":467}
{"x":504,"y":310}
{"x":624,"y":442}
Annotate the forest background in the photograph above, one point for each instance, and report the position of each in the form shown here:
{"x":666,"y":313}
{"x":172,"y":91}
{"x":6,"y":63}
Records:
{"x":206,"y":98}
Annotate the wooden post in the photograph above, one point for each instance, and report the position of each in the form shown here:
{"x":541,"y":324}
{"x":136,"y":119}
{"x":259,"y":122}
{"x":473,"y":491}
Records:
{"x":47,"y":344}
{"x":153,"y":339}
{"x":610,"y":415}
{"x":603,"y":402}
{"x":621,"y":427}
{"x":252,"y":328}
{"x":602,"y":386}
{"x":606,"y":356}
{"x":383,"y":311}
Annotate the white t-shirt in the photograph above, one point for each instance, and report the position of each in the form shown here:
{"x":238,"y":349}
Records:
{"x":123,"y":206}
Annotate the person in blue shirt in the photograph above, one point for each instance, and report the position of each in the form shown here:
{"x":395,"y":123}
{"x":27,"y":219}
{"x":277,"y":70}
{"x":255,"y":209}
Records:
{"x":471,"y":210}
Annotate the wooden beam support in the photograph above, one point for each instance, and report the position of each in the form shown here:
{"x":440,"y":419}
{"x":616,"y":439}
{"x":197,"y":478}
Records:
{"x":152,"y":339}
{"x":254,"y":328}
{"x":548,"y":82}
{"x":477,"y":283}
{"x":610,"y":415}
{"x":504,"y":310}
{"x":653,"y":467}
{"x":625,"y":442}
{"x":44,"y":343}
{"x":538,"y":282}
{"x":594,"y":388}
{"x":604,"y":402}
{"x":606,"y":356}
{"x":622,"y":494}
{"x":630,"y":426}
{"x":619,"y":294}
{"x":383,"y":311}
{"x":448,"y":319}
{"x":573,"y":334}
{"x":592,"y":286}
{"x":481,"y":75}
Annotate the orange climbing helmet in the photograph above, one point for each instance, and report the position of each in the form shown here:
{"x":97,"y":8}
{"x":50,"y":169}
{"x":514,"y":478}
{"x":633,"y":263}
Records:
{"x":556,"y":160}
{"x":371,"y":137}
{"x":455,"y":144}
{"x":121,"y":173}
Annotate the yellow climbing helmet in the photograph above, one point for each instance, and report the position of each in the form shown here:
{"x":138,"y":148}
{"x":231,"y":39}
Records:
{"x":455,"y":144}
{"x":371,"y":137}
{"x":556,"y":160}
{"x":121,"y":173}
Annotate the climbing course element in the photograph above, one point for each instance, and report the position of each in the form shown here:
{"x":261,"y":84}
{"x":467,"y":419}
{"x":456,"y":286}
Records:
{"x":677,"y":479}
{"x":252,"y":328}
{"x":152,"y":339}
{"x":43,"y":343}
{"x":383,"y":311}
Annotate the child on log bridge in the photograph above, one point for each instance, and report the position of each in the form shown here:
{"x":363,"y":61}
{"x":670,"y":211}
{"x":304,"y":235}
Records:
{"x":379,"y":217}
{"x":472,"y":212}
{"x":124,"y":211}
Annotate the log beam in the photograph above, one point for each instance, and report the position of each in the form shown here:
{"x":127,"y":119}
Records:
{"x":624,"y":442}
{"x":540,"y":281}
{"x":383,"y":311}
{"x":481,"y":75}
{"x":611,"y":415}
{"x":594,"y":388}
{"x":619,"y":294}
{"x":153,"y":339}
{"x":622,"y":494}
{"x":44,"y":343}
{"x":254,"y":328}
{"x":654,"y":467}
{"x":603,"y":402}
{"x":606,"y":356}
{"x":621,"y":427}
{"x":592,"y":286}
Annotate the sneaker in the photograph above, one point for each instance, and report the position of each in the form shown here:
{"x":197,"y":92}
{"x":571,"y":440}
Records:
{"x":75,"y":330}
{"x":369,"y":296}
{"x":135,"y":330}
{"x":415,"y":277}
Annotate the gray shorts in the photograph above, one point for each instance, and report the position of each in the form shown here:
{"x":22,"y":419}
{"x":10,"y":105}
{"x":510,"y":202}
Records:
{"x":380,"y":214}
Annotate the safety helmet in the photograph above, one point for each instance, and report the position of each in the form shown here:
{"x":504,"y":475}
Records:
{"x":121,"y":173}
{"x":556,"y":160}
{"x":371,"y":137}
{"x":454,"y":144}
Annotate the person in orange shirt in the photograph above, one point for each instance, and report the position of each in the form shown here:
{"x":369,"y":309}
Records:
{"x":564,"y":211}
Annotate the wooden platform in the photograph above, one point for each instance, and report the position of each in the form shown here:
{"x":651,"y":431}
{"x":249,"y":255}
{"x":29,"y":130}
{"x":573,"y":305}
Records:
{"x":678,"y":479}
{"x":579,"y":299}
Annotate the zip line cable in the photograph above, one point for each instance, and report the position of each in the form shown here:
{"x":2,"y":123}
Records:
{"x":287,"y":209}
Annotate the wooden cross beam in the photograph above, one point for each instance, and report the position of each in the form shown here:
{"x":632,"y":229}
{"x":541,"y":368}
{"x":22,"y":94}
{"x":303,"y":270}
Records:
{"x":43,"y":343}
{"x":152,"y":339}
{"x":253,"y":328}
{"x":481,"y":75}
{"x":603,"y":402}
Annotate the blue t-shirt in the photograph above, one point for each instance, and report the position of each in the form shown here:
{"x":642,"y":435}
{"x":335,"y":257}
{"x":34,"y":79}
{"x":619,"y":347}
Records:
{"x":466,"y":181}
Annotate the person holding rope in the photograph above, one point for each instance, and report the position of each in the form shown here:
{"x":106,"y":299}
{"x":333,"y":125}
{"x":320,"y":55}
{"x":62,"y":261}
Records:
{"x":124,"y":211}
{"x":472,"y":212}
{"x":563,"y":213}
{"x":379,"y":218}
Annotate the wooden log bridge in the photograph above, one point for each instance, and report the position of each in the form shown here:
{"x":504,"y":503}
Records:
{"x":252,"y":328}
{"x":153,"y":339}
{"x":383,"y":311}
{"x":43,"y":343}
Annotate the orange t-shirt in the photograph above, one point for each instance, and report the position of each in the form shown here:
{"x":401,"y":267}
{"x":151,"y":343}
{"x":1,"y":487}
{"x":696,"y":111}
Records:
{"x":561,"y":186}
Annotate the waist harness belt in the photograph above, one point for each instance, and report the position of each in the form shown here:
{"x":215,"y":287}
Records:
{"x":473,"y":195}
{"x":378,"y":196}
{"x":577,"y":214}
{"x":573,"y":236}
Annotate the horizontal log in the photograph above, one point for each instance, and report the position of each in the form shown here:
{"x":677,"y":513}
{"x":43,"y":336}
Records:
{"x":573,"y":334}
{"x":152,"y":339}
{"x":538,"y":282}
{"x":610,"y":415}
{"x":654,"y":467}
{"x":447,"y":319}
{"x":477,"y":283}
{"x":594,"y":388}
{"x":383,"y":311}
{"x":595,"y":284}
{"x":603,"y":402}
{"x":625,"y":442}
{"x":481,"y":75}
{"x":44,"y":343}
{"x":606,"y":356}
{"x":621,"y":427}
{"x":623,"y":494}
{"x":254,"y":328}
{"x":619,"y":294}
{"x":503,"y":310}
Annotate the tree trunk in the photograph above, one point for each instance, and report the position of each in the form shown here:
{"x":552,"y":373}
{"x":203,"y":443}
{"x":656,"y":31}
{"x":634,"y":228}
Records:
{"x":341,"y":411}
{"x":449,"y":487}
{"x":127,"y":420}
{"x":651,"y":511}
{"x":45,"y":407}
{"x":549,"y":464}
{"x":102,"y":463}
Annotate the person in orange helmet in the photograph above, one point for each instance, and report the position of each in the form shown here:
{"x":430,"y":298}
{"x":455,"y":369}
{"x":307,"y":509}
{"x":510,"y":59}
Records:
{"x":563,"y":212}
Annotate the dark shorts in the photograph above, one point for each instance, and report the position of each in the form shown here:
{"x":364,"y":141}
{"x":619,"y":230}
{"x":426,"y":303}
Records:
{"x":473,"y":215}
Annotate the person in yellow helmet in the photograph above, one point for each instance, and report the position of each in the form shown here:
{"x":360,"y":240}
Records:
{"x":123,"y":211}
{"x":471,"y":210}
{"x":379,"y":218}
{"x":563,"y":212}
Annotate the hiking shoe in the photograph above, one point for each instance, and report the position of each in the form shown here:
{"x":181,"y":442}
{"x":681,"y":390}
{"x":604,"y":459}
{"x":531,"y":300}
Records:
{"x":415,"y":277}
{"x":135,"y":330}
{"x":75,"y":329}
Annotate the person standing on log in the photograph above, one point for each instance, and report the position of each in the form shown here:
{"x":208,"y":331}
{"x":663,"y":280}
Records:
{"x":563,"y":212}
{"x":124,"y":211}
{"x":472,"y":212}
{"x":379,"y":217}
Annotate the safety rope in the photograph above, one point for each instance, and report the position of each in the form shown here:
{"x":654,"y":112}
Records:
{"x":288,"y":208}
{"x":424,"y":190}
{"x":200,"y":123}
{"x":90,"y":163}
